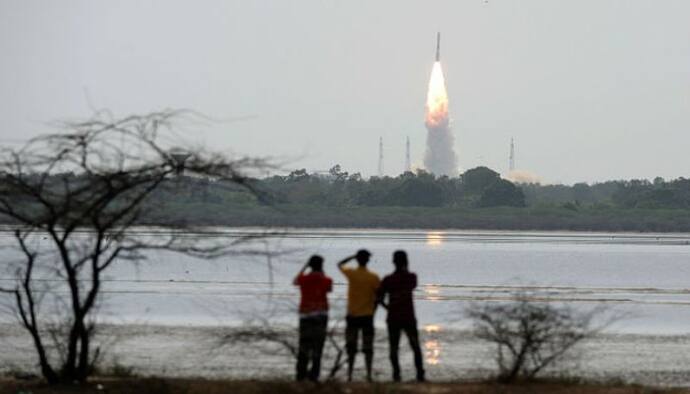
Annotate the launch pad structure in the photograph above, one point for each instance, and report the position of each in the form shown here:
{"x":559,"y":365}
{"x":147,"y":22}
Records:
{"x":511,"y":160}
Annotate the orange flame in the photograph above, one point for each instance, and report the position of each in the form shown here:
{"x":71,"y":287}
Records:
{"x":436,"y":99}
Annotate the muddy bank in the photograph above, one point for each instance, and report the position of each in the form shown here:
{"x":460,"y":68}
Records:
{"x":185,"y":352}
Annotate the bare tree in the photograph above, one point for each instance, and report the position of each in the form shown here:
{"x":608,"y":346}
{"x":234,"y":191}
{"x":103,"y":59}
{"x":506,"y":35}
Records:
{"x":73,"y":199}
{"x":530,"y":333}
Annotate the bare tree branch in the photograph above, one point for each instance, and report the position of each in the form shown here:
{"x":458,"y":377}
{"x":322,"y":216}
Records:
{"x":84,"y":190}
{"x":530,"y":333}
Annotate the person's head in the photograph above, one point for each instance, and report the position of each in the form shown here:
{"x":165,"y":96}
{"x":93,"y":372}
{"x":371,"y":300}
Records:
{"x":316,"y":263}
{"x":362,"y":257}
{"x":400,"y":260}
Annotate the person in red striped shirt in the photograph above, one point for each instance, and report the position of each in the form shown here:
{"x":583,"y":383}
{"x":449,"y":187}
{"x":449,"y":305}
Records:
{"x":313,"y":317}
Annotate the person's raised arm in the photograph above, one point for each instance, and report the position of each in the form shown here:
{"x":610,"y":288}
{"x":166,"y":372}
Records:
{"x":299,"y":274}
{"x":341,"y":263}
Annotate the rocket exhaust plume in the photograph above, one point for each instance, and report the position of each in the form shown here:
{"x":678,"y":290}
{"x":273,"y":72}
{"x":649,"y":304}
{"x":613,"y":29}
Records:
{"x":440,"y":156}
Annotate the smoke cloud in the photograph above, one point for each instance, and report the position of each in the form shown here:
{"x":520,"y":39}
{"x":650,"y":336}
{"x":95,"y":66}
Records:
{"x":523,"y":176}
{"x":440,"y":158}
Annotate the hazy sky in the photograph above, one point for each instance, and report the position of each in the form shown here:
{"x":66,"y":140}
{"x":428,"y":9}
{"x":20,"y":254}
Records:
{"x":590,"y":89}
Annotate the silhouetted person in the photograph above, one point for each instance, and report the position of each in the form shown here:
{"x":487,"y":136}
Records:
{"x":361,"y":305}
{"x":313,"y":317}
{"x":398,"y":286}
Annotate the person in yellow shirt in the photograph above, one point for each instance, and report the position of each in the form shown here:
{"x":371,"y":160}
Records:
{"x":361,"y":305}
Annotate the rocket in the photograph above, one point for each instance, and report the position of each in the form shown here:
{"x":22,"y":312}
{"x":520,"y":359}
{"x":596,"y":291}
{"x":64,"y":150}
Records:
{"x":438,"y":46}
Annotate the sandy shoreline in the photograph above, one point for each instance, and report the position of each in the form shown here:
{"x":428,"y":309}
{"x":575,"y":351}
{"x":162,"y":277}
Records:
{"x":183,"y":351}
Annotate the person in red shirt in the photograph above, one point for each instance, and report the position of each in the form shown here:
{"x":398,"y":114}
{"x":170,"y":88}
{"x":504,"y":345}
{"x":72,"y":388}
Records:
{"x":398,"y":288}
{"x":313,"y":317}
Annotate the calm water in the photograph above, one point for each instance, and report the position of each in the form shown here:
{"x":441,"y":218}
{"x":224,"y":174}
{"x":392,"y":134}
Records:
{"x":645,"y":277}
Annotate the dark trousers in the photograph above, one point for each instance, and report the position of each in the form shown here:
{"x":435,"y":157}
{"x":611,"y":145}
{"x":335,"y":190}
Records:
{"x":312,"y":335}
{"x":410,"y":329}
{"x":355,"y":324}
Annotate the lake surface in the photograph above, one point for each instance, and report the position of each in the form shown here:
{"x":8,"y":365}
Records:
{"x":645,"y":277}
{"x":173,"y":307}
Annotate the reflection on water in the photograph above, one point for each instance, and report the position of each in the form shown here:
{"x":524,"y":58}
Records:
{"x":434,"y":238}
{"x":432,"y":352}
{"x":645,"y":275}
{"x":432,"y":346}
{"x":432,"y":292}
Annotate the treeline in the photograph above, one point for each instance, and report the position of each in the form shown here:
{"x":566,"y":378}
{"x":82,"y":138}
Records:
{"x":479,"y":187}
{"x":477,"y":199}
{"x":498,"y":218}
{"x":632,"y":194}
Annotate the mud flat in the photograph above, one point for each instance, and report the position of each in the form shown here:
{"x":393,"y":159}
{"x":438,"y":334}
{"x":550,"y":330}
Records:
{"x":451,"y":355}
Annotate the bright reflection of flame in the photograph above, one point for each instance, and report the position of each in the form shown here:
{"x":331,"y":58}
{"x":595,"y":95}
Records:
{"x":434,"y":238}
{"x":436,"y":99}
{"x":432,"y":347}
{"x":432,"y":351}
{"x":432,"y":292}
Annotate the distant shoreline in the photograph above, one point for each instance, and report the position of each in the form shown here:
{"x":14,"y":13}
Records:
{"x":314,"y":217}
{"x":418,"y":234}
{"x":540,"y":218}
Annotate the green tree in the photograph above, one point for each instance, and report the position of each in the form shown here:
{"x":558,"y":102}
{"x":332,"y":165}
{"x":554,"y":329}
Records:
{"x":502,"y":193}
{"x":582,"y":193}
{"x":422,"y":191}
{"x":476,"y":180}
